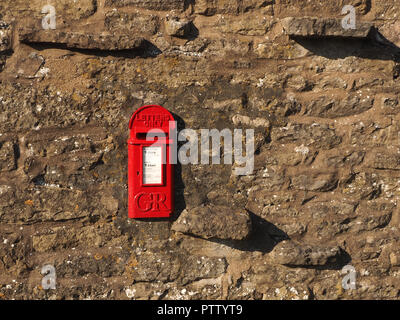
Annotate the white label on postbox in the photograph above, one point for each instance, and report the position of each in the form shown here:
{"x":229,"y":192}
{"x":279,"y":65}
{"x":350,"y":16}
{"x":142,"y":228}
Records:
{"x":152,"y":165}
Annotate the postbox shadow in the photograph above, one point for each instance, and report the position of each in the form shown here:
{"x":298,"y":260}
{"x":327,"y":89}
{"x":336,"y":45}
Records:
{"x":374,"y":47}
{"x":180,"y":203}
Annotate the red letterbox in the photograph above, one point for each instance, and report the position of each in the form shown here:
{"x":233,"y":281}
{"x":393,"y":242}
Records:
{"x":150,"y":171}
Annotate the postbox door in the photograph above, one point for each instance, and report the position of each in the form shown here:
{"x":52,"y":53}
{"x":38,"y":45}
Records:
{"x":150,"y":182}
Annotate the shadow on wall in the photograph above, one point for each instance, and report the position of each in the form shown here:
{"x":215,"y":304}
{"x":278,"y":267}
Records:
{"x":145,"y":50}
{"x":189,"y":3}
{"x":264,"y":236}
{"x":338,"y":264}
{"x":180,"y":203}
{"x":375,"y":47}
{"x":193,"y":33}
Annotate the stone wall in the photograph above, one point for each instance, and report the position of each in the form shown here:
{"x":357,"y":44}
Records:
{"x":325,"y":108}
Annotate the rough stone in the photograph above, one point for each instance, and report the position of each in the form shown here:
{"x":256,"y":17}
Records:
{"x":75,"y":40}
{"x":309,"y":27}
{"x":150,"y":266}
{"x":331,"y":218}
{"x":5,"y":36}
{"x":373,"y":214}
{"x":346,"y":158}
{"x":271,"y":178}
{"x":285,"y":8}
{"x":245,"y":120}
{"x":66,"y":10}
{"x":314,"y":135}
{"x":132,"y":23}
{"x":261,"y":198}
{"x":162,"y":5}
{"x":7,"y":196}
{"x":384,"y":160}
{"x":8,"y":159}
{"x":361,"y":186}
{"x":374,"y":133}
{"x":178,"y":27}
{"x":327,"y":107}
{"x":244,"y":25}
{"x":268,"y":50}
{"x":83,"y":265}
{"x":331,"y":208}
{"x":95,"y":236}
{"x":395,"y":259}
{"x":214,"y":222}
{"x":211,"y":7}
{"x":315,"y":181}
{"x":292,"y":254}
{"x":292,"y":230}
{"x":202,"y":267}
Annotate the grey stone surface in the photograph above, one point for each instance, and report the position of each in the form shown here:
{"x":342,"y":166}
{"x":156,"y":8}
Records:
{"x":76,"y":40}
{"x":214,"y":222}
{"x":148,"y":4}
{"x":5,"y":36}
{"x":177,"y":27}
{"x":311,"y":27}
{"x":290,"y":253}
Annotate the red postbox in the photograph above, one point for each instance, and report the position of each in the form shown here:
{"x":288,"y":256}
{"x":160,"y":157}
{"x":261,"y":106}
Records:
{"x":150,"y":171}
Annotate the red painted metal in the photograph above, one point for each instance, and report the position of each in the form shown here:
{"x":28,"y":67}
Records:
{"x":150,"y":172}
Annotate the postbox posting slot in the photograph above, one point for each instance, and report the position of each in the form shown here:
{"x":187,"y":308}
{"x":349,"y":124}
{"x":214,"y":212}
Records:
{"x":146,"y":135}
